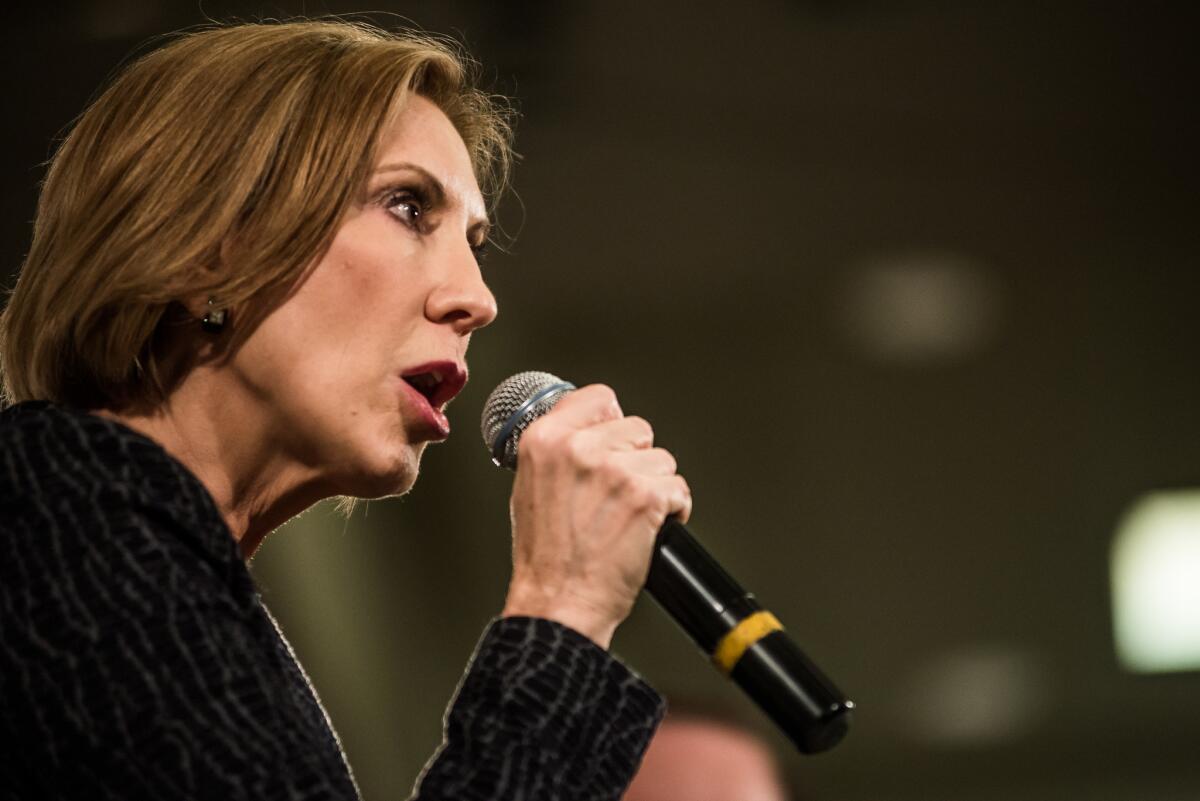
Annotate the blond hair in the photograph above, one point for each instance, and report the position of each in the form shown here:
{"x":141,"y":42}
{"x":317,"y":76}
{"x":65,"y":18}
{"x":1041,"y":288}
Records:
{"x":238,"y":145}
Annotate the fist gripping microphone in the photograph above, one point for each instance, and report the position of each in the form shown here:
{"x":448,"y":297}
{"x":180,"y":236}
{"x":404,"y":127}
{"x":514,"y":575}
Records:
{"x":745,"y":641}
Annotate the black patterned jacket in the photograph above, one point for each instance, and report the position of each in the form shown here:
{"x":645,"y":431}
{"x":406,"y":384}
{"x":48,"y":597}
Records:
{"x":138,"y":662}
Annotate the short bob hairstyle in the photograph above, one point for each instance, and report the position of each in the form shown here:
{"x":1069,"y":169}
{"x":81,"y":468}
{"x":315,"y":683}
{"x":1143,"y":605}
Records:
{"x":220,"y":164}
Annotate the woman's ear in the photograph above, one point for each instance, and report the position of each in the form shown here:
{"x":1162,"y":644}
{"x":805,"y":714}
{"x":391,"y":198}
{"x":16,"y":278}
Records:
{"x":206,"y":305}
{"x":196,"y":306}
{"x":206,"y":310}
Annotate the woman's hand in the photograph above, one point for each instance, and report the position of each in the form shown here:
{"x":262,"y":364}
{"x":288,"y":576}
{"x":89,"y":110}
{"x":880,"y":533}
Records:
{"x":590,"y":495}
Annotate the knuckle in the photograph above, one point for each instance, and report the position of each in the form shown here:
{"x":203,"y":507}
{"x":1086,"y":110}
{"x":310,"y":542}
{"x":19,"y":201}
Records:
{"x":602,"y":392}
{"x":641,"y":498}
{"x":683,"y":486}
{"x":615,"y":474}
{"x":537,"y":439}
{"x":642,"y":429}
{"x":580,"y":452}
{"x":605,"y":397}
{"x":653,"y":498}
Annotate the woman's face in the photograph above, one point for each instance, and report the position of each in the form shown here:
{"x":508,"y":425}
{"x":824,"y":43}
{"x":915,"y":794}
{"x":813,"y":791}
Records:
{"x":350,"y":375}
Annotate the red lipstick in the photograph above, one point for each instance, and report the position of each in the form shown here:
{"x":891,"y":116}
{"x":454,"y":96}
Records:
{"x":428,"y":388}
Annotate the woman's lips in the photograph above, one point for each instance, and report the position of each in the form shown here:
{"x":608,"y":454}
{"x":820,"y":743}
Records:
{"x":428,"y":388}
{"x":428,"y":417}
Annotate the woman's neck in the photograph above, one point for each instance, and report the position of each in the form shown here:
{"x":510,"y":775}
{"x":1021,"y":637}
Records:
{"x":219,"y":435}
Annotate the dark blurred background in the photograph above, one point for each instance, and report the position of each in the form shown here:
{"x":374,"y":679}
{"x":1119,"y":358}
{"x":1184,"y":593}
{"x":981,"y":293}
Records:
{"x":910,"y":288}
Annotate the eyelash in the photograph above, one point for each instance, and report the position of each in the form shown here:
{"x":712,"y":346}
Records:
{"x":418,"y":200}
{"x":410,"y":196}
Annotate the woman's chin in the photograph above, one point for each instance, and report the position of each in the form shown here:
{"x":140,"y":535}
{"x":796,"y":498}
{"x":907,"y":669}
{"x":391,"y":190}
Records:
{"x":387,"y":475}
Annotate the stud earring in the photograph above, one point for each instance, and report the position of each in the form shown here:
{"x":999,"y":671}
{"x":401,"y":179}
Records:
{"x":214,"y":320}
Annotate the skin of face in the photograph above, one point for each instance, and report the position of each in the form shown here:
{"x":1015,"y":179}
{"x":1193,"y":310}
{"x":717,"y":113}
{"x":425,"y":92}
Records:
{"x":399,"y":287}
{"x":312,"y":405}
{"x":699,"y":760}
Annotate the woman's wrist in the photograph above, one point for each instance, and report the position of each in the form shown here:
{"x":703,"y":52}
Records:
{"x":596,"y":626}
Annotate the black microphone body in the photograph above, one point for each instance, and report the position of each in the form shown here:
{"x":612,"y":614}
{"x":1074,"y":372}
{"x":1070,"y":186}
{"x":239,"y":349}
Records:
{"x":711,"y":607}
{"x":745,"y":641}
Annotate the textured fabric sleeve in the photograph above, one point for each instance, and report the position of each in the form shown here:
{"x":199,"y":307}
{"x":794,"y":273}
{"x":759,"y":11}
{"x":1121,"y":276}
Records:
{"x":542,"y":713}
{"x":133,"y":667}
{"x":137,"y":661}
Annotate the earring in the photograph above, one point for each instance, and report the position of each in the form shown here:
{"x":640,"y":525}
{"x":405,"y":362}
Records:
{"x":214,"y":320}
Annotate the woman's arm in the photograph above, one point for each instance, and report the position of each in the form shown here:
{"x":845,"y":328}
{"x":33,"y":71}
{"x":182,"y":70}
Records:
{"x":544,"y":713}
{"x":137,"y":661}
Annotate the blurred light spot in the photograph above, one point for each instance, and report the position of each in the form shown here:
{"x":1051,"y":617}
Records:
{"x":1156,"y":583}
{"x":921,"y":308}
{"x":979,"y":696}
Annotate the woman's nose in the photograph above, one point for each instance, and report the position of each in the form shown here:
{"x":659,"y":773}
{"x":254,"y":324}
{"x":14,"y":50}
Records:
{"x":462,"y":299}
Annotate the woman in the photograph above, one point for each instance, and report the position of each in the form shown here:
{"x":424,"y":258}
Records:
{"x":251,"y":286}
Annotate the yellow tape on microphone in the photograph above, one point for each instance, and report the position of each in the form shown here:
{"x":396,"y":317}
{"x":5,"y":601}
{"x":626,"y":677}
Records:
{"x":748,"y":631}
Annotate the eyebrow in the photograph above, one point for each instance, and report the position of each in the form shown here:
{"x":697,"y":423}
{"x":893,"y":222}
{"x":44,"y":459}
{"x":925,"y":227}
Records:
{"x":437,"y":189}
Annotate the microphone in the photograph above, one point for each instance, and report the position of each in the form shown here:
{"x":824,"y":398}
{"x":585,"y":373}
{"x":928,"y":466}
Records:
{"x":746,"y":642}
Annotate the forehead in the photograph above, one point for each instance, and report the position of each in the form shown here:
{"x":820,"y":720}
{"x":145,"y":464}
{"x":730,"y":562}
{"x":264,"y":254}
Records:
{"x":423,"y":135}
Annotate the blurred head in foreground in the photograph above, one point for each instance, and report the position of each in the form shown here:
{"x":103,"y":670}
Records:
{"x":694,"y":758}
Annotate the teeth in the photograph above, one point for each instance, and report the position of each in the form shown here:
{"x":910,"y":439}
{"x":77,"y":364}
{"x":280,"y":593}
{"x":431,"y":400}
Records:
{"x":437,"y":378}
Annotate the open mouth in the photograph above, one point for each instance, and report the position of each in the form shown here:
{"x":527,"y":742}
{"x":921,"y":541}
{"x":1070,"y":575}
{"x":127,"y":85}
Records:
{"x":425,"y":383}
{"x":438,"y":384}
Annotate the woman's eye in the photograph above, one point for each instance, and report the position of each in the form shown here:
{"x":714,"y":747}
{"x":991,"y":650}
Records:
{"x":405,"y":207}
{"x":480,"y":251}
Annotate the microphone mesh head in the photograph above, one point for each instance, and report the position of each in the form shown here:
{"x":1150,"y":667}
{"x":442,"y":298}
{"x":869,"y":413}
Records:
{"x":513,"y":405}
